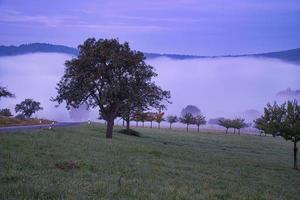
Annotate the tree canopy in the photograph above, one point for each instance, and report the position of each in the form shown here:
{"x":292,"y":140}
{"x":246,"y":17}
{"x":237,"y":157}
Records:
{"x":28,"y":107}
{"x":112,"y":77}
{"x":194,"y":110}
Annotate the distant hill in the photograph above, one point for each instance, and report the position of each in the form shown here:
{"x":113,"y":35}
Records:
{"x":36,"y":48}
{"x":292,"y":55}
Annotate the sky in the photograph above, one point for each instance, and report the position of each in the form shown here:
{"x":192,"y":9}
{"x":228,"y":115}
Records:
{"x":197,"y":27}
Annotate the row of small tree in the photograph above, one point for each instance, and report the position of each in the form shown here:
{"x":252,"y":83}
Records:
{"x":158,"y":117}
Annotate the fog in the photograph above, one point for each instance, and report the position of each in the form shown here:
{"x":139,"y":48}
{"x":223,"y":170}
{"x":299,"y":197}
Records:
{"x":227,"y":87}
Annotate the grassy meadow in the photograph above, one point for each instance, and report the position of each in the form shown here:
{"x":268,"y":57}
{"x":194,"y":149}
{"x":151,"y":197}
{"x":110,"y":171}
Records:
{"x":79,"y":163}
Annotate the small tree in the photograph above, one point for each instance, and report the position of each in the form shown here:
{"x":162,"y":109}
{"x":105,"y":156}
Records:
{"x":5,"y":93}
{"x":199,"y":120}
{"x":159,"y":117}
{"x":28,"y":107}
{"x":238,"y":124}
{"x":5,"y":112}
{"x":226,"y":123}
{"x":172,"y":119}
{"x":150,"y":118}
{"x":283,"y":120}
{"x":187,"y":119}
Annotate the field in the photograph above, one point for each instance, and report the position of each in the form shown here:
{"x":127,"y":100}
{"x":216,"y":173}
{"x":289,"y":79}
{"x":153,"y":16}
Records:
{"x":11,"y":121}
{"x":79,"y":163}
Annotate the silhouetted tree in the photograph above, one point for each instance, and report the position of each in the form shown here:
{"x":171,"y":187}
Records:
{"x":110,"y":76}
{"x":28,"y":107}
{"x":5,"y":93}
{"x":283,"y":120}
{"x":199,"y":120}
{"x":187,"y":119}
{"x":172,"y":119}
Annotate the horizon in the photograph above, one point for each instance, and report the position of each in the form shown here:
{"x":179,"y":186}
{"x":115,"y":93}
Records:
{"x":163,"y":53}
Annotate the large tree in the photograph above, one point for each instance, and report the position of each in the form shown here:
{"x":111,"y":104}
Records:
{"x":5,"y":93}
{"x":282,"y":120}
{"x":28,"y":107}
{"x":110,"y":76}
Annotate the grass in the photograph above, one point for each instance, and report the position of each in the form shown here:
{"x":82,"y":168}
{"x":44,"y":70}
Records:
{"x":11,"y":121}
{"x":79,"y":163}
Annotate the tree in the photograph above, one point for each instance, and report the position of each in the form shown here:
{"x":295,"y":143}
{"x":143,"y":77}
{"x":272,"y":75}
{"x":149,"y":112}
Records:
{"x":238,"y":124}
{"x":172,"y":119}
{"x":187,"y":119}
{"x":28,"y":107}
{"x":5,"y":112}
{"x":5,"y":93}
{"x":159,"y":117}
{"x":282,"y":120}
{"x":194,"y":110}
{"x":199,"y":120}
{"x":150,"y":118}
{"x":110,"y":76}
{"x":227,"y":123}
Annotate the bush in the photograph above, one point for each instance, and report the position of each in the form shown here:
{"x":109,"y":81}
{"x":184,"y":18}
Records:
{"x":5,"y":112}
{"x":130,"y":132}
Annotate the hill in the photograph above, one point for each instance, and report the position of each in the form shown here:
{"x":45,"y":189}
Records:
{"x":292,"y":55}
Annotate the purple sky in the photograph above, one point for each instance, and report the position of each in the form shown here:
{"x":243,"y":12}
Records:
{"x":203,"y":27}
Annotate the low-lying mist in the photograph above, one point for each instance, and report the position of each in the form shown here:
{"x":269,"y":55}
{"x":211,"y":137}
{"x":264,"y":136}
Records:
{"x":227,"y":87}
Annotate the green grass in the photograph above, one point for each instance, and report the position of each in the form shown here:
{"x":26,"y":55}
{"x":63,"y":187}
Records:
{"x":79,"y":163}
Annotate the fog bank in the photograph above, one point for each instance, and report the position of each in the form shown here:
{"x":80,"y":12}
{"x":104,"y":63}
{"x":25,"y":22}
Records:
{"x":225,"y":87}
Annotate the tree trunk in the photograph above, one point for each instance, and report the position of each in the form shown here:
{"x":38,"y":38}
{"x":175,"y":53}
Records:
{"x":198,"y":129}
{"x":143,"y":124}
{"x":158,"y":125}
{"x":170,"y":125}
{"x":295,"y":155}
{"x":127,"y":124}
{"x":151,"y":124}
{"x":234,"y":131}
{"x":109,"y":128}
{"x":187,"y":128}
{"x":123,"y":123}
{"x":136,"y":123}
{"x":239,"y":131}
{"x":226,"y":130}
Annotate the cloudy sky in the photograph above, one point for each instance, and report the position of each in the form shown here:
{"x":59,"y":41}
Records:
{"x":201,"y":27}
